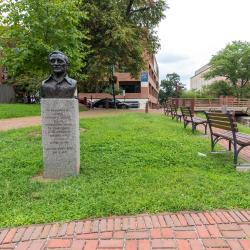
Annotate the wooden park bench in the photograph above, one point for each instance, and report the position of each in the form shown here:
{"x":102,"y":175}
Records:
{"x":174,"y":112}
{"x":224,"y":126}
{"x":166,"y":108}
{"x":188,"y":117}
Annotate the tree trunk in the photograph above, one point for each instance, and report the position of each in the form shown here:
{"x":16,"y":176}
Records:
{"x":113,"y":92}
{"x":28,"y":98}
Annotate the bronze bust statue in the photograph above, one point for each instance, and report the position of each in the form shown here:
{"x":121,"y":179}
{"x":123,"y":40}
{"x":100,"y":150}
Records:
{"x":58,"y":85}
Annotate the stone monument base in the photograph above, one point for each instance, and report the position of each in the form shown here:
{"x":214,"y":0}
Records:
{"x":60,"y":136}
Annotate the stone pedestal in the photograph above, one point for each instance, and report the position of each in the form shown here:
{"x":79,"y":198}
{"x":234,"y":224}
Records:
{"x":61,"y":138}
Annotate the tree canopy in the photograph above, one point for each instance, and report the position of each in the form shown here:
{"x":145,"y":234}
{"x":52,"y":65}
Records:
{"x":32,"y":29}
{"x":96,"y":36}
{"x":232,"y":62}
{"x":120,"y":32}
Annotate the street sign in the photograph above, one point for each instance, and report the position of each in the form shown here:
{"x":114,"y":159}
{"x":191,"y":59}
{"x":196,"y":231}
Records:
{"x":144,"y":76}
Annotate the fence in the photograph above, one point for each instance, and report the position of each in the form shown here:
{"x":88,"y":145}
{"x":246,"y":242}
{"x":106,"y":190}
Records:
{"x":202,"y":104}
{"x":7,"y":94}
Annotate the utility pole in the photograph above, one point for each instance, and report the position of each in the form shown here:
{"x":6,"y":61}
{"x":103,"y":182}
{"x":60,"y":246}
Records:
{"x":178,"y":87}
{"x":112,"y":82}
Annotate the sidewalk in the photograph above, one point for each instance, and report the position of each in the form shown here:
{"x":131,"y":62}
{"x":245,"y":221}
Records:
{"x":190,"y":231}
{"x":23,"y":122}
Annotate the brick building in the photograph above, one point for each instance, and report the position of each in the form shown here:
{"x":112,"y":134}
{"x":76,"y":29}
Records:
{"x":141,"y":91}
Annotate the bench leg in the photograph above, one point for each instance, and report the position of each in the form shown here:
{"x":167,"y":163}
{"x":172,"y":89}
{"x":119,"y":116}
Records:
{"x":205,"y":128}
{"x":185,"y":124}
{"x":193,"y":128}
{"x":229,"y":145}
{"x":236,"y":152}
{"x":235,"y":158}
{"x":213,"y":142}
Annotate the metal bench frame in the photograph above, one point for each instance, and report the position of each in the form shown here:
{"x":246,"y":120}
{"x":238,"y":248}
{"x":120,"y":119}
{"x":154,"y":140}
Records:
{"x":166,"y":108}
{"x":227,"y":122}
{"x":188,"y":117}
{"x":174,"y":112}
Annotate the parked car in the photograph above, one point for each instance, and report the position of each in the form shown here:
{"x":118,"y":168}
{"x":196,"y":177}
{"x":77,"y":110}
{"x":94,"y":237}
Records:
{"x":109,"y":103}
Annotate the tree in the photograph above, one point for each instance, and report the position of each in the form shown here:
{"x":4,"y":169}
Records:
{"x":161,"y":96}
{"x":120,"y":33}
{"x":232,"y":62}
{"x":171,"y":86}
{"x":33,"y":29}
{"x":220,"y":88}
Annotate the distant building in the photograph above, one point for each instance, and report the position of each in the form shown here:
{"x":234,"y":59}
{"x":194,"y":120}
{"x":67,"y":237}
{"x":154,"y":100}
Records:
{"x":141,"y":91}
{"x":198,"y":81}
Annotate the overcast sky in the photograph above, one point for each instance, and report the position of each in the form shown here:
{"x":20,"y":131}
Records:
{"x":194,"y":30}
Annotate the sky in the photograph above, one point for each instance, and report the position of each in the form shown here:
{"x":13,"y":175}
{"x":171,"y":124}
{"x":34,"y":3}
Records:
{"x":195,"y":30}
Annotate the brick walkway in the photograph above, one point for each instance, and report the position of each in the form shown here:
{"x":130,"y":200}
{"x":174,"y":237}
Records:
{"x":209,"y":230}
{"x":23,"y":122}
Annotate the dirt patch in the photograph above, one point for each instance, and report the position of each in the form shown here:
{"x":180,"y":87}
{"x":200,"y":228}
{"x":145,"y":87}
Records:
{"x":42,"y":179}
{"x":35,"y":134}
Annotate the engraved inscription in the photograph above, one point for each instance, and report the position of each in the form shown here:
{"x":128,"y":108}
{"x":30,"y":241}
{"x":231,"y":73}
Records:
{"x":59,"y":130}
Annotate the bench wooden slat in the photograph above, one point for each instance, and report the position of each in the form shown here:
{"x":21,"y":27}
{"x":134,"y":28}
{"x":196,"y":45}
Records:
{"x":217,"y":114}
{"x":221,"y":126}
{"x":241,"y":139}
{"x":223,"y":123}
{"x":197,"y":120}
{"x":219,"y":118}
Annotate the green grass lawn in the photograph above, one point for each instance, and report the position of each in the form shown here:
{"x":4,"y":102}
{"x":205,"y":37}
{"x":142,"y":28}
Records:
{"x":131,"y":163}
{"x":22,"y":110}
{"x":243,"y":128}
{"x":19,"y":110}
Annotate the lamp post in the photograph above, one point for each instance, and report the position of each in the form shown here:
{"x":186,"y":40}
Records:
{"x":124,"y":93}
{"x":178,"y":87}
{"x":112,"y":80}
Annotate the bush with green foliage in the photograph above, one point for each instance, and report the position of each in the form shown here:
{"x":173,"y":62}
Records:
{"x":193,"y":94}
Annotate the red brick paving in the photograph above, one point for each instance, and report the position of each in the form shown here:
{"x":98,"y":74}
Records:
{"x":186,"y":230}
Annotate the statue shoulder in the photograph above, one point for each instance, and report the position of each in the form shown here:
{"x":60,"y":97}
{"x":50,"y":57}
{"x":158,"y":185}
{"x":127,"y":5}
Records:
{"x":71,"y":80}
{"x":46,"y":80}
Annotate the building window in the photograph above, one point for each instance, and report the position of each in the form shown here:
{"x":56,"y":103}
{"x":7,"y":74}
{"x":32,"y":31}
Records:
{"x":131,"y":87}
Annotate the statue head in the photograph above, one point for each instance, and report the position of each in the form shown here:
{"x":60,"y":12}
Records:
{"x":59,"y":62}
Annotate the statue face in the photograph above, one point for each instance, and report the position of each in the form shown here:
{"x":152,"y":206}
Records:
{"x":58,"y":63}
